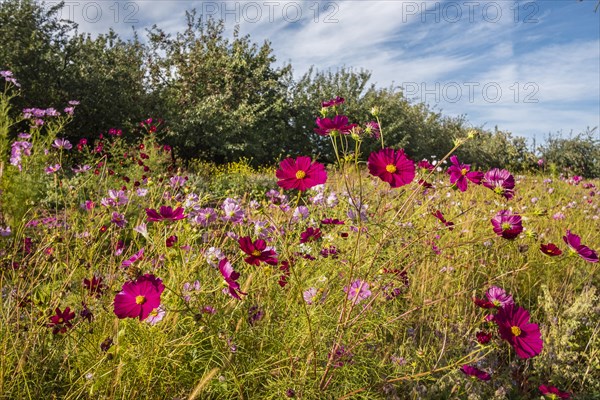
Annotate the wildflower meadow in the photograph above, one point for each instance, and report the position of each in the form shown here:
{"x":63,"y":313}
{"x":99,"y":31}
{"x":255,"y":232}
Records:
{"x":125,"y":274}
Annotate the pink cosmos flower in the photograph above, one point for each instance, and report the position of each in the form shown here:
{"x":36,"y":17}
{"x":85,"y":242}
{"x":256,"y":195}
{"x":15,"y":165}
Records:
{"x":550,"y":249}
{"x":230,"y":277}
{"x":498,"y":297}
{"x":257,"y":251}
{"x":500,"y":181}
{"x":514,"y":327}
{"x":584,"y":252}
{"x":392,"y":166}
{"x":62,"y":144}
{"x":301,"y":173}
{"x":337,"y":125}
{"x":155,"y":316}
{"x":50,"y":169}
{"x":166,"y":213}
{"x":358,"y":291}
{"x":507,"y":225}
{"x":552,"y":392}
{"x":460,"y":173}
{"x":137,"y":299}
{"x":475,"y":373}
{"x":134,"y":258}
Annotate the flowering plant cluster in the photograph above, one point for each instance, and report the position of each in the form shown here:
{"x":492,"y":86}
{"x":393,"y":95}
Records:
{"x":338,"y":280}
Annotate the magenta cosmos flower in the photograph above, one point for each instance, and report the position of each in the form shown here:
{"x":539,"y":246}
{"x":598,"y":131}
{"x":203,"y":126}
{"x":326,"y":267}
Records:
{"x":460,"y":173}
{"x":500,"y":181}
{"x":137,"y":299}
{"x":475,"y":373}
{"x":337,"y":125}
{"x":514,"y":327}
{"x":333,"y":102}
{"x":310,"y":235}
{"x":392,"y":166}
{"x":165,"y":213}
{"x":257,"y":251}
{"x":230,"y":278}
{"x":584,"y":252}
{"x":301,"y":173}
{"x":552,"y":392}
{"x":507,"y":225}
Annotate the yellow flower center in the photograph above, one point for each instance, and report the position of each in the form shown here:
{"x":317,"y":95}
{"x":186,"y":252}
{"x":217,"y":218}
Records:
{"x":464,"y":171}
{"x":256,"y":253}
{"x":61,"y":320}
{"x":506,"y":226}
{"x":515,"y":330}
{"x":391,"y":168}
{"x":300,"y":174}
{"x":140,"y":300}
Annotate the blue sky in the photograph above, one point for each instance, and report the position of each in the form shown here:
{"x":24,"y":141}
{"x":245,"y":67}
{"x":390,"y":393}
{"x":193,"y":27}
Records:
{"x":529,"y":67}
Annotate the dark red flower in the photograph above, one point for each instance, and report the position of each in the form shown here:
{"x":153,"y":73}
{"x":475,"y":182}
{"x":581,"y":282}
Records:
{"x":95,"y":286}
{"x":483,"y":303}
{"x":552,"y":392}
{"x":425,"y":184}
{"x":438,"y":214}
{"x":392,"y":166}
{"x":285,"y":273}
{"x":514,"y":327}
{"x":475,"y":373}
{"x":310,"y":235}
{"x":165,"y":213}
{"x":257,"y":251}
{"x":332,"y":221}
{"x":550,"y":249}
{"x":61,"y":320}
{"x":301,"y":173}
{"x":86,"y":313}
{"x":483,"y":337}
{"x":171,"y":240}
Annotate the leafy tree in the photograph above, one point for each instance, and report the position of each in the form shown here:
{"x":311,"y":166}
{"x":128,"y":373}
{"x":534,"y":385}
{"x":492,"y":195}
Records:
{"x":55,"y":64}
{"x":223,"y":99}
{"x":579,"y":155}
